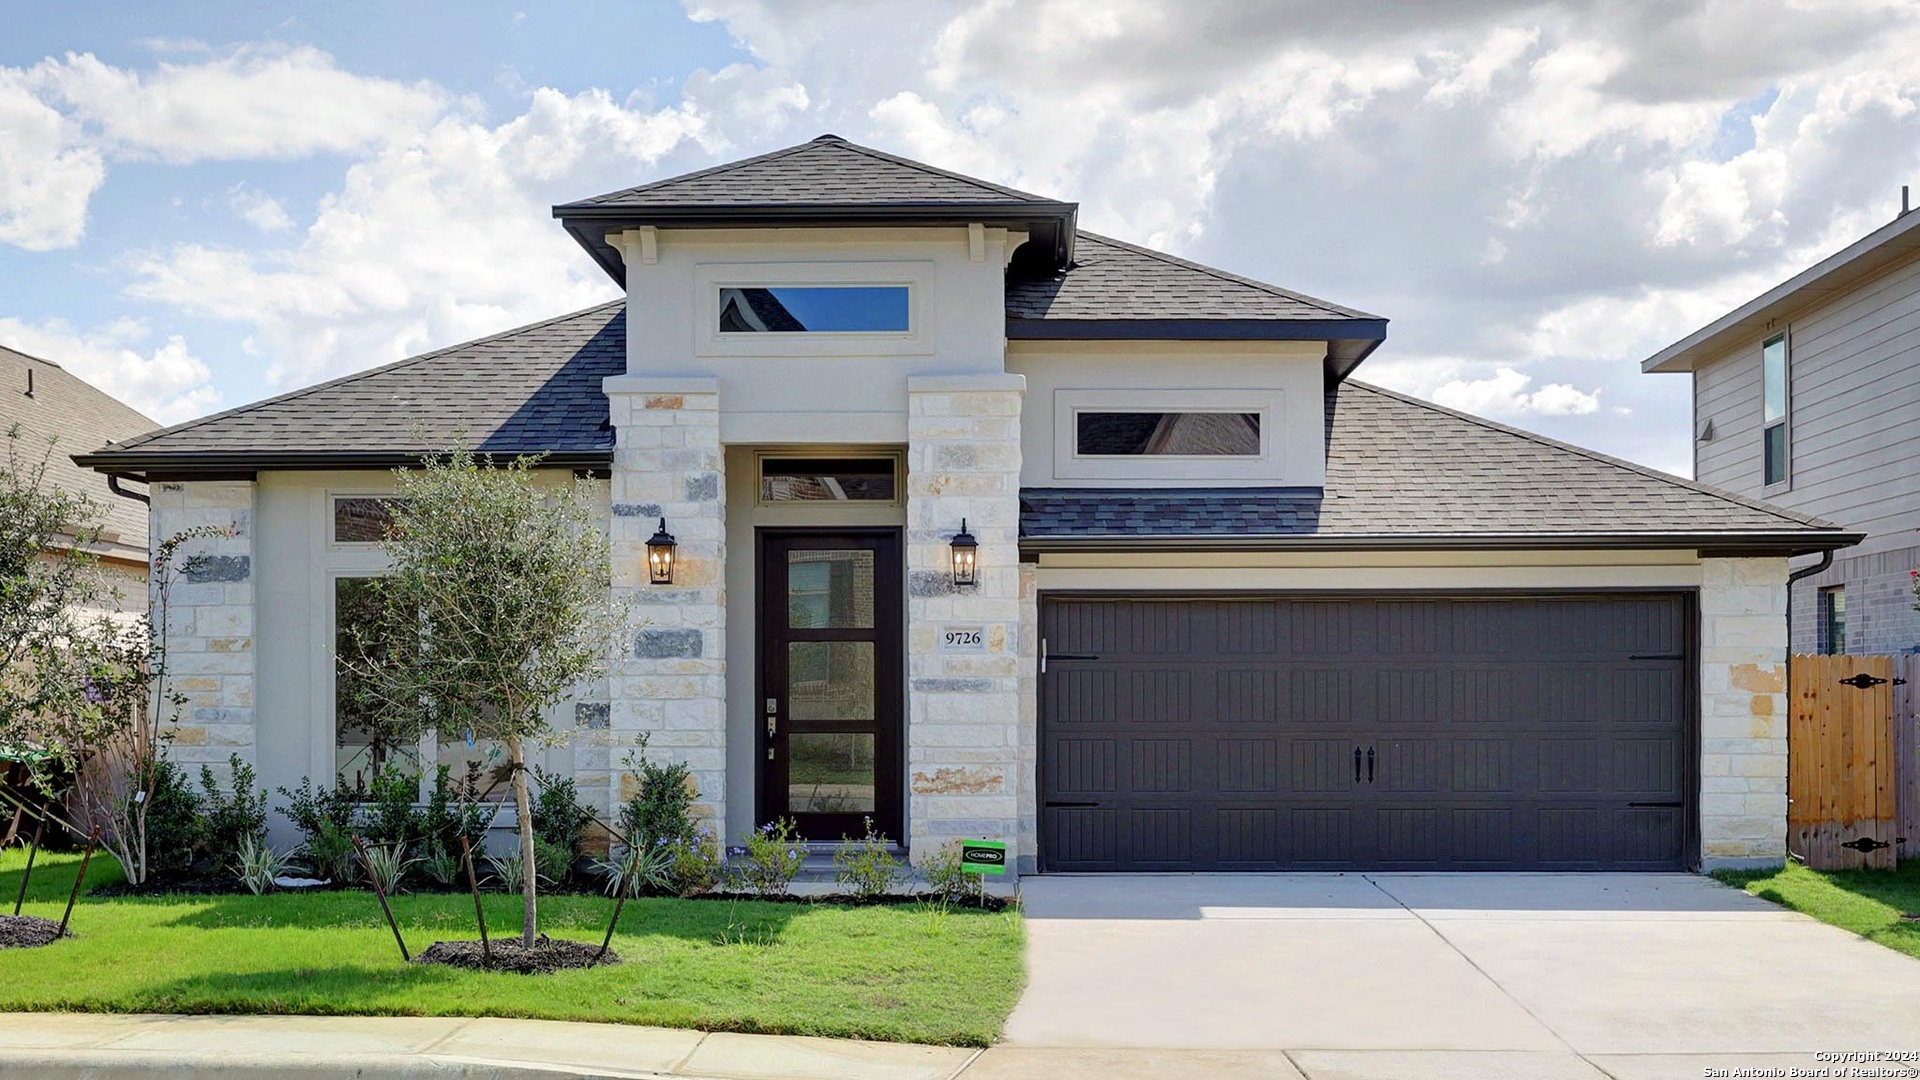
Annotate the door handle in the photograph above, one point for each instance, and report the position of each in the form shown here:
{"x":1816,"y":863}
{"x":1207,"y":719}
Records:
{"x":1369,"y":764}
{"x":1356,"y":764}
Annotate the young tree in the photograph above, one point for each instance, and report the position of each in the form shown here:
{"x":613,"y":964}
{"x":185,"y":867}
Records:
{"x":498,"y":604}
{"x":83,"y":696}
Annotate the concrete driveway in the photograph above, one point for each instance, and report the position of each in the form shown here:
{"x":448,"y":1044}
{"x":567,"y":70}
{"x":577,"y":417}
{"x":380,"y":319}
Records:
{"x":1484,"y":976}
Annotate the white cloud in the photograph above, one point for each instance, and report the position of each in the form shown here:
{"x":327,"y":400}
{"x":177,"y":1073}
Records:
{"x":47,"y":175}
{"x":1505,"y":393}
{"x":259,"y":209}
{"x":252,"y":103}
{"x":165,"y":381}
{"x":444,"y":236}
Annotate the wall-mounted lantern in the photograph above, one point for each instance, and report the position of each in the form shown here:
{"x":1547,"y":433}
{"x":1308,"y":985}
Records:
{"x":660,"y":548}
{"x":966,"y":563}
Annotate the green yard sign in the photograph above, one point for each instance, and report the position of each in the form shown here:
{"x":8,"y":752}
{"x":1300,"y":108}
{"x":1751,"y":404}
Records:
{"x":983,"y":857}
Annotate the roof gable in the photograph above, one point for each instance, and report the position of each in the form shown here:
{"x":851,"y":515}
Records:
{"x":828,"y":171}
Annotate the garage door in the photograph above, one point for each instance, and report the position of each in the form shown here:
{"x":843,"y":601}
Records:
{"x":1264,"y":733}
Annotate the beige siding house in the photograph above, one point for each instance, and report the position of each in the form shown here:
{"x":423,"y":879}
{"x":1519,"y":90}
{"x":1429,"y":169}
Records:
{"x":55,"y":410}
{"x":1809,"y":396}
{"x":1228,"y":607}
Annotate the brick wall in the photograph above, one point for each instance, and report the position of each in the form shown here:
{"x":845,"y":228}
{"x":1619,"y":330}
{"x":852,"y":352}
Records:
{"x":1743,"y":721}
{"x":964,"y":708}
{"x":670,"y":681}
{"x":210,"y":617}
{"x":1880,"y":615}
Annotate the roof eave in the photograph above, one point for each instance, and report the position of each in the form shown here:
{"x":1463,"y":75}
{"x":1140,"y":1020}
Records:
{"x":225,"y":463}
{"x":1892,"y":242}
{"x":1748,"y":544}
{"x":1367,"y":333}
{"x":589,"y":223}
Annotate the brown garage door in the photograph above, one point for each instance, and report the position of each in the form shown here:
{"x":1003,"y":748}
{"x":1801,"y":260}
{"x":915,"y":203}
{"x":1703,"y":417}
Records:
{"x":1541,"y":732}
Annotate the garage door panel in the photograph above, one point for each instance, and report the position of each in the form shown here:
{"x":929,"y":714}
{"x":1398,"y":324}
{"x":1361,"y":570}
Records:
{"x":1509,"y":733}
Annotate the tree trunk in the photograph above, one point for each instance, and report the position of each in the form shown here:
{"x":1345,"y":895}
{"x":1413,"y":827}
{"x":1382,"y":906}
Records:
{"x":523,"y":814}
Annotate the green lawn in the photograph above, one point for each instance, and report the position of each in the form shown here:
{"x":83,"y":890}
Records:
{"x":1870,"y":903}
{"x":904,"y":973}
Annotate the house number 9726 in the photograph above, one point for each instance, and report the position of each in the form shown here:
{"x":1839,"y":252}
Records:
{"x":963,"y":639}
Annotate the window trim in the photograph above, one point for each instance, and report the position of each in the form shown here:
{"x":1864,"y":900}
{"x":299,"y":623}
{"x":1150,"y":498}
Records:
{"x":1267,"y":403}
{"x":918,"y":277}
{"x":1785,"y":423}
{"x":896,"y":457}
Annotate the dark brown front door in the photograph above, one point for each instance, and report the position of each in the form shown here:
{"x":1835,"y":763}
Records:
{"x":831,"y":677}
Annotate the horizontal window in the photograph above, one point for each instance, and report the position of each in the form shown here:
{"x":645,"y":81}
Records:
{"x":1167,"y":434}
{"x":827,"y":479}
{"x":361,"y":520}
{"x":815,"y":309}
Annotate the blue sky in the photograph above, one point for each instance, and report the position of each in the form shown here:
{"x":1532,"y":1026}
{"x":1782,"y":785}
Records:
{"x":204,"y":204}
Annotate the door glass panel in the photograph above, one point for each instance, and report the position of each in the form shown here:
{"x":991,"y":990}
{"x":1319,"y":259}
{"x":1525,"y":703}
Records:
{"x":827,"y":480}
{"x":829,"y":680}
{"x":830,"y":773}
{"x":830,"y":590}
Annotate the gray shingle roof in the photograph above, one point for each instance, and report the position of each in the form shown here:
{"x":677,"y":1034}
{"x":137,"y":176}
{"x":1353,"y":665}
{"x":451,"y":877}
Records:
{"x":1400,"y":467}
{"x":530,"y":390}
{"x":78,"y":416}
{"x":829,"y":171}
{"x":1112,"y":279}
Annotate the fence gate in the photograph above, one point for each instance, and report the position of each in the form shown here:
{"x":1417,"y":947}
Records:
{"x":1842,"y":772}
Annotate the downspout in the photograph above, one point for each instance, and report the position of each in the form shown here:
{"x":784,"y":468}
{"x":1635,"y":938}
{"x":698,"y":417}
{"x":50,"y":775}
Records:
{"x":113,"y":485}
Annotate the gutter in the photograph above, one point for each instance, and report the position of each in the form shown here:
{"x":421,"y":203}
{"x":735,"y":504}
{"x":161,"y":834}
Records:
{"x":1826,"y":561}
{"x":1711,"y":544}
{"x":147,"y":468}
{"x":113,"y":485}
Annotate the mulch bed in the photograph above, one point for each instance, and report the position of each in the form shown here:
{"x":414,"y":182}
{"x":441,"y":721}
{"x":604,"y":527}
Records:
{"x":27,"y":931}
{"x":547,"y":955}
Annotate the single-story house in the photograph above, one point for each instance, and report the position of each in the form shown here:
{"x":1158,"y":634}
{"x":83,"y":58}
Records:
{"x":990,"y":527}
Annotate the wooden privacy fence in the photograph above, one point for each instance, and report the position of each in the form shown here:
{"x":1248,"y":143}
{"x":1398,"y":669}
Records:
{"x":1853,"y":745}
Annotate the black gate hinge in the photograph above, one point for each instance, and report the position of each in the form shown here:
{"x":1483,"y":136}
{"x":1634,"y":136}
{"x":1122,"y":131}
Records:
{"x":1864,"y":681}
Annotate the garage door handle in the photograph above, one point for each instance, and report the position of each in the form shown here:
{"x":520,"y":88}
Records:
{"x":1369,"y":764}
{"x":1070,"y":805}
{"x":1356,"y":764}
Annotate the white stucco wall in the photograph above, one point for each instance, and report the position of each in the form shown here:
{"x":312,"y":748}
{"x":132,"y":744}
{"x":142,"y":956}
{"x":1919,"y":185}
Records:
{"x":1283,"y":381}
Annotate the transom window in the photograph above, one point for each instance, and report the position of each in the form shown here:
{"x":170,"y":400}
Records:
{"x":1167,"y":434}
{"x":829,"y":479}
{"x":1773,"y":378}
{"x":361,"y":519}
{"x":815,"y":309}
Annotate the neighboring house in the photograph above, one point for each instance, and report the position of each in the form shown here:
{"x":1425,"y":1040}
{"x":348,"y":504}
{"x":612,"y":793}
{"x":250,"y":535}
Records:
{"x":1232,"y":610}
{"x":1808,"y":396}
{"x":58,"y":411}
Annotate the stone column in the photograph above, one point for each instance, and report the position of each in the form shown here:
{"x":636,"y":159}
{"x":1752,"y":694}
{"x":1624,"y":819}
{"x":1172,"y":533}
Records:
{"x":1028,"y":787}
{"x":963,"y":717}
{"x":670,"y":681}
{"x":209,"y":617}
{"x":1743,"y":713}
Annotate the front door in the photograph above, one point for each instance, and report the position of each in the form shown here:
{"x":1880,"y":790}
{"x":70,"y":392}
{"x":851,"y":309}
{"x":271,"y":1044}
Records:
{"x":831,"y":679}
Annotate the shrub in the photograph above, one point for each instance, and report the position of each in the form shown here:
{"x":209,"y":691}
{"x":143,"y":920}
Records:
{"x":441,"y":866}
{"x":392,"y":817}
{"x":257,"y":864}
{"x":773,"y":856}
{"x":662,"y":809}
{"x":694,"y":865}
{"x":229,"y":822}
{"x":948,"y":879}
{"x":553,"y":861}
{"x":173,"y":820}
{"x":325,"y":818}
{"x":636,"y":872}
{"x":558,"y":817}
{"x":387,"y":866}
{"x":511,"y":872}
{"x":454,"y":811}
{"x":866,"y":867}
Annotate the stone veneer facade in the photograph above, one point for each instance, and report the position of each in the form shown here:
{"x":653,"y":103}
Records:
{"x":670,"y":680}
{"x":1743,"y":713}
{"x":964,"y":707}
{"x":209,"y":617}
